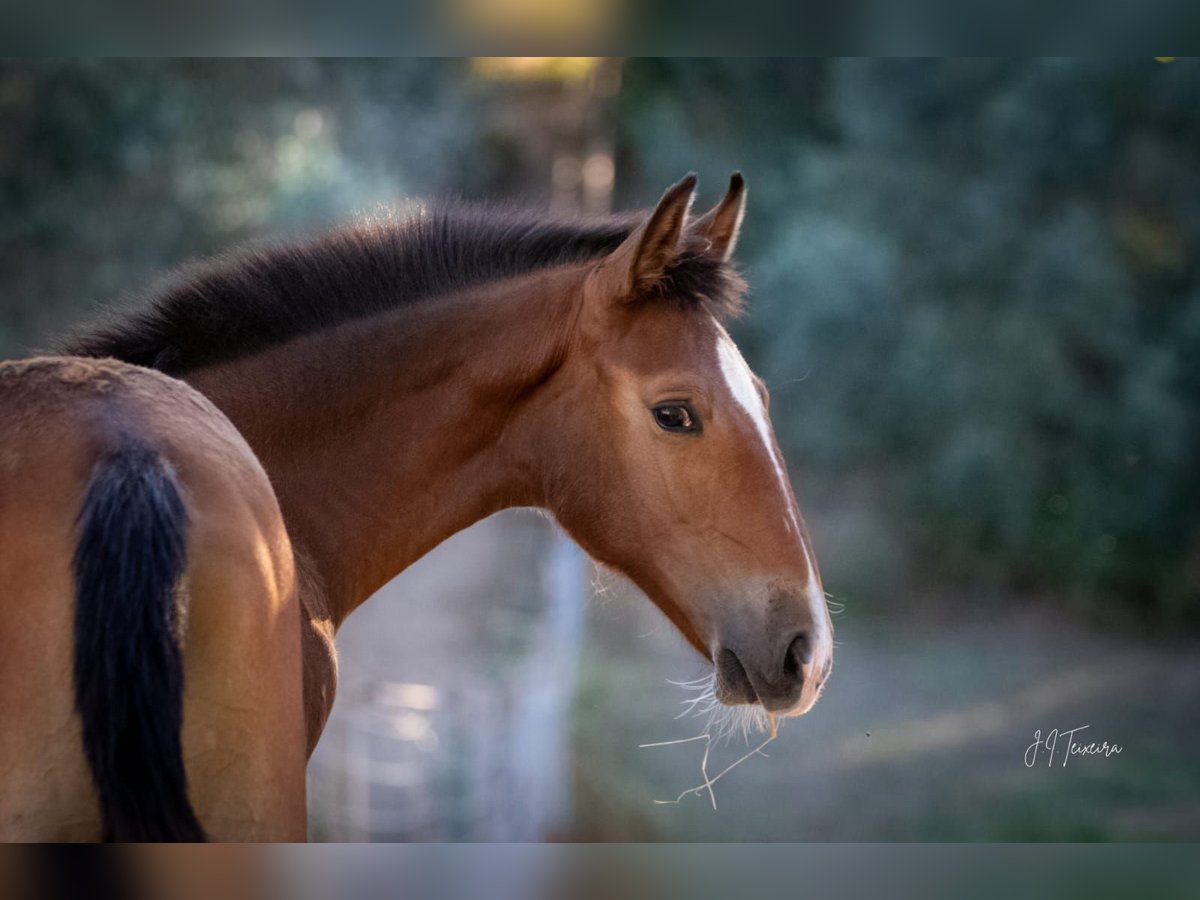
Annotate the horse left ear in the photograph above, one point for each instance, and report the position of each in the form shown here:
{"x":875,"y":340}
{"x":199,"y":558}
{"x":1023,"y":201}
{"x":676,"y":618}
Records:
{"x":721,"y":224}
{"x":643,"y":257}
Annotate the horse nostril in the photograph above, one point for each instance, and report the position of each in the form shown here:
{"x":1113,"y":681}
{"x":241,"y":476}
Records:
{"x":799,"y":653}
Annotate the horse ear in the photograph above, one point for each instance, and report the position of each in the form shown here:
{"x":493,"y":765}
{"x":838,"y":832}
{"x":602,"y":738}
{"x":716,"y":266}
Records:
{"x":721,"y":224}
{"x":643,"y":257}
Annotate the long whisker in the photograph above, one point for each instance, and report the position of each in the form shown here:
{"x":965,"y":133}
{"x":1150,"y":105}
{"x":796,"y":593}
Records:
{"x":707,"y":784}
{"x":699,"y":737}
{"x":724,"y":722}
{"x":695,"y":684}
{"x":704,"y":771}
{"x":690,"y":706}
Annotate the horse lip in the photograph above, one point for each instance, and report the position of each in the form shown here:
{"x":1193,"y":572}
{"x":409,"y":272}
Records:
{"x":733,"y":683}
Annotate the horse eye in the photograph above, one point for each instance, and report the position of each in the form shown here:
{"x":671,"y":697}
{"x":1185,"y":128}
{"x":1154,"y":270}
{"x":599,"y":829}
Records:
{"x":675,"y":417}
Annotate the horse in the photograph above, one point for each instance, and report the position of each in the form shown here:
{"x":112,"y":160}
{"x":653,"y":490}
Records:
{"x":404,"y":377}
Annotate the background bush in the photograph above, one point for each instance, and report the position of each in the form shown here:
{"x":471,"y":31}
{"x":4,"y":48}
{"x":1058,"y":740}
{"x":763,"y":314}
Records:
{"x":976,"y":300}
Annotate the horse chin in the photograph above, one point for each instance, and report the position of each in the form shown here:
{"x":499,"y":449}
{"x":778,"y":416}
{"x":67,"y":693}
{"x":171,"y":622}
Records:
{"x":735,"y":697}
{"x":734,"y":692}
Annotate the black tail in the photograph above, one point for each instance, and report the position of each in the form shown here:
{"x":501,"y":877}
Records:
{"x":131,"y":552}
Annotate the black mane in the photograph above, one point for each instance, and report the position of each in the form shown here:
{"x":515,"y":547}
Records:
{"x":246,"y":300}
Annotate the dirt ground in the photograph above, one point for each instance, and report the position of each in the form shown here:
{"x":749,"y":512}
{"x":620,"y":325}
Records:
{"x":921,"y":735}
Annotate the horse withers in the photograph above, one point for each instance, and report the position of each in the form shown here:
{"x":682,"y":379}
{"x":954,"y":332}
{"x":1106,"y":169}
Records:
{"x":397,"y":380}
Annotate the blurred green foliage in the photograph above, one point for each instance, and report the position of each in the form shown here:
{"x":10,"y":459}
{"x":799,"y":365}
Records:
{"x":976,"y":300}
{"x":111,"y":171}
{"x":975,"y":290}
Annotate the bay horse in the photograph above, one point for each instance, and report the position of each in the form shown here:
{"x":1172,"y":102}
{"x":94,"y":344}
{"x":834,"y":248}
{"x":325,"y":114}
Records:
{"x":396,"y":380}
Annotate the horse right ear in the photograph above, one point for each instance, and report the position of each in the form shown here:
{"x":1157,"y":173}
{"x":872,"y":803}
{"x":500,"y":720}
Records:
{"x":642,"y":258}
{"x":720,"y":225}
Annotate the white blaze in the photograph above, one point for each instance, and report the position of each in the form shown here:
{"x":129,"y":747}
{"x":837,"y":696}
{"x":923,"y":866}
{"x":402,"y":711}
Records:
{"x":740,"y":381}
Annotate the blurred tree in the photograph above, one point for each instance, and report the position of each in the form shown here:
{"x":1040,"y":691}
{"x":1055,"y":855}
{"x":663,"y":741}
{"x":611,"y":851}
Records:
{"x":975,"y":294}
{"x":112,"y":170}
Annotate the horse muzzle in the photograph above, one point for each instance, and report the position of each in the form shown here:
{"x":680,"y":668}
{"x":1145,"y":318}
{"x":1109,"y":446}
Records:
{"x":784,"y":676}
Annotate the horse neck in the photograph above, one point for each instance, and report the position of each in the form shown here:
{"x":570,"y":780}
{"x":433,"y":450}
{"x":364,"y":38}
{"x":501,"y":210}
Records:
{"x":386,"y":435}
